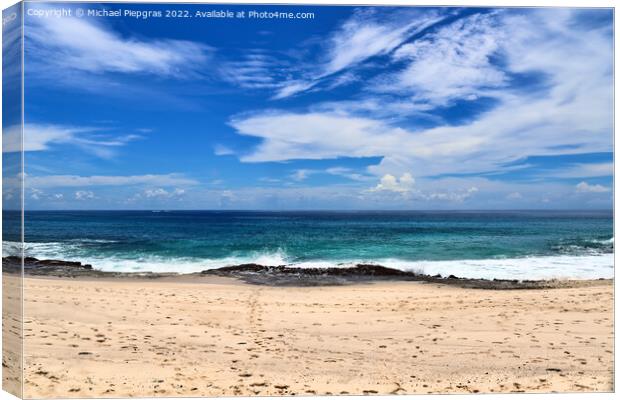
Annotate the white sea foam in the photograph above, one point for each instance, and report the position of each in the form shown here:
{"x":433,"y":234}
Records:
{"x":548,"y":267}
{"x":180,"y":264}
{"x":591,"y":266}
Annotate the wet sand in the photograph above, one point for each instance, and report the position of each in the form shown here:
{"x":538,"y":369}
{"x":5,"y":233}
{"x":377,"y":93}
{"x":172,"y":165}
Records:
{"x":214,"y":336}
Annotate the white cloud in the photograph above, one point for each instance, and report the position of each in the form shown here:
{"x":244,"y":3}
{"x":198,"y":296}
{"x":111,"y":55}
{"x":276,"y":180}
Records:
{"x":11,"y":46}
{"x":84,"y":195}
{"x":221,"y":150}
{"x":457,"y":197}
{"x":293,"y":87}
{"x":302,"y":174}
{"x":85,"y":45}
{"x":36,"y":137}
{"x":8,"y":194}
{"x":40,"y":137}
{"x":482,"y":146}
{"x":159,"y":192}
{"x":12,"y":139}
{"x":442,"y":193}
{"x":362,"y":36}
{"x":390,"y":183}
{"x":342,"y":79}
{"x":452,"y":63}
{"x":107,"y":180}
{"x":514,"y":196}
{"x":347,"y":173}
{"x":163,"y":193}
{"x":446,"y":193}
{"x":590,"y":170}
{"x":255,"y":69}
{"x":379,"y":106}
{"x":36,"y":194}
{"x":313,"y":136}
{"x":575,"y":103}
{"x":226,"y":197}
{"x":584,"y":187}
{"x":368,"y":33}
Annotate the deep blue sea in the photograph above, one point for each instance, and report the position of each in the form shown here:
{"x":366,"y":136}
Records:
{"x":519,"y":244}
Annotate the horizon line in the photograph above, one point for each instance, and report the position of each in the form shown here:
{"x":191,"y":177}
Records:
{"x":321,"y":210}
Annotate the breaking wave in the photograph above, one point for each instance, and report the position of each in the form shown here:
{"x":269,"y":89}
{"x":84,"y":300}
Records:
{"x":578,"y":260}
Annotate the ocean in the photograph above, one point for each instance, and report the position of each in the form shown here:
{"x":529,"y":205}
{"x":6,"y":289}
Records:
{"x":472,"y":244}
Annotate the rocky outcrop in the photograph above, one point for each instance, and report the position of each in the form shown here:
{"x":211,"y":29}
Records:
{"x":282,"y":275}
{"x":61,"y":268}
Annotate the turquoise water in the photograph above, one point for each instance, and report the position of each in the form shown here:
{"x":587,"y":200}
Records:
{"x":489,"y":244}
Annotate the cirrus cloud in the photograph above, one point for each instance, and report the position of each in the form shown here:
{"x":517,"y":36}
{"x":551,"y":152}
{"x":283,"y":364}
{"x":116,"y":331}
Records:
{"x":108,"y":180}
{"x":85,"y":45}
{"x":576,"y":99}
{"x":41,"y":137}
{"x":368,"y":33}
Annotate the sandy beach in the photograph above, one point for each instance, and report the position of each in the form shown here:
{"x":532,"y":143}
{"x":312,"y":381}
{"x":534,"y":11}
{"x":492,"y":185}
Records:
{"x":214,"y":336}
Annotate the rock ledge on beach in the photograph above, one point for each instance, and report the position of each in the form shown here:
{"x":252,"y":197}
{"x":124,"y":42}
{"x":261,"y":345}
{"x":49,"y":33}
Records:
{"x":282,"y":275}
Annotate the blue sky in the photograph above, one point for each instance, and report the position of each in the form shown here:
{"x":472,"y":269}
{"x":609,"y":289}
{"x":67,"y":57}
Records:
{"x":357,"y":108}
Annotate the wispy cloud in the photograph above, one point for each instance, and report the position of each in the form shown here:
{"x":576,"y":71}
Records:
{"x":221,"y":150}
{"x":368,"y":33}
{"x":381,"y":106}
{"x":108,"y":180}
{"x":577,"y":99}
{"x":41,"y":137}
{"x":582,"y":170}
{"x":452,"y":63}
{"x":302,"y":174}
{"x":348,"y":173}
{"x":11,"y":53}
{"x":255,"y":69}
{"x":85,"y":45}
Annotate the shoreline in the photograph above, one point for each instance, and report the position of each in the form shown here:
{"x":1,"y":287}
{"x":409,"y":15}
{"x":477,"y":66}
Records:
{"x":282,"y":275}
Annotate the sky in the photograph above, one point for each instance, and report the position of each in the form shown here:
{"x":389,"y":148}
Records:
{"x":356,"y":108}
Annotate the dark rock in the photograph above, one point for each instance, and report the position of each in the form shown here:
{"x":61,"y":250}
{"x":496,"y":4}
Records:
{"x":34,"y":266}
{"x":58,"y":263}
{"x":358,"y":270}
{"x":283,"y":275}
